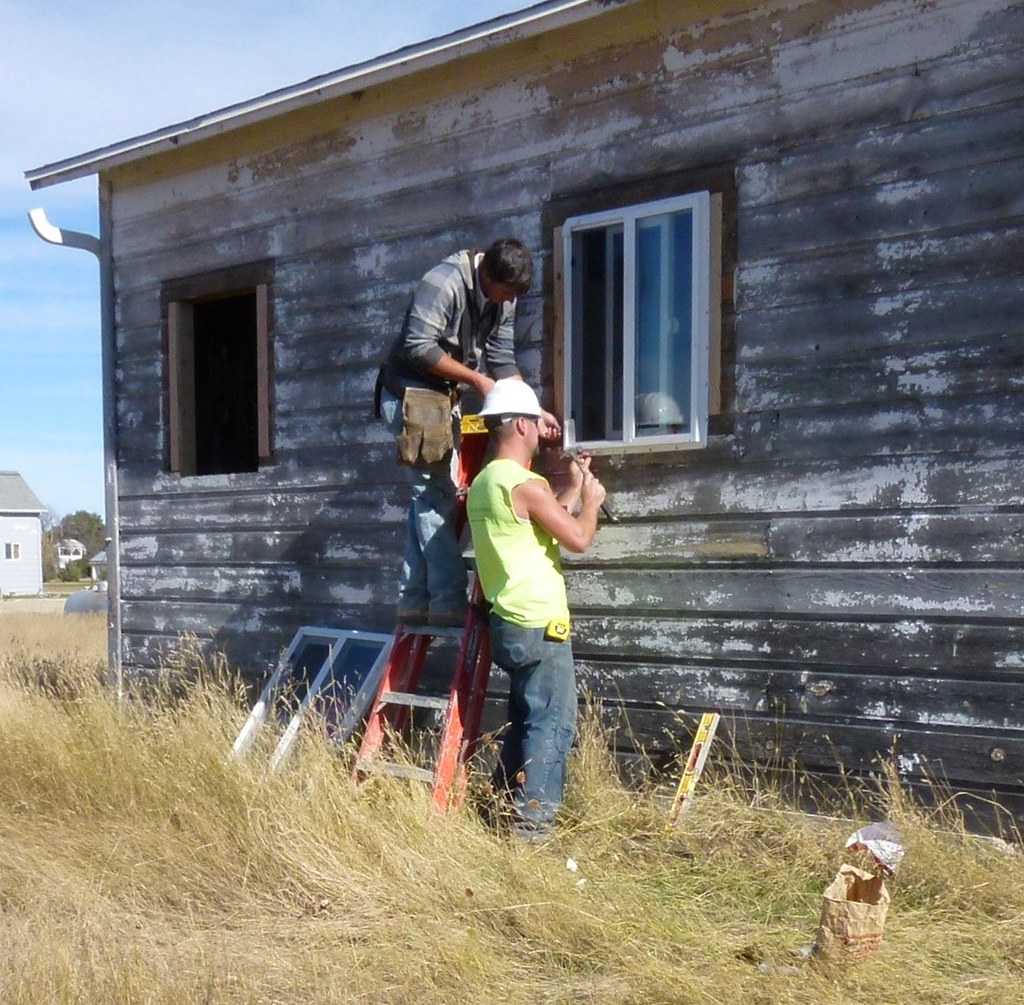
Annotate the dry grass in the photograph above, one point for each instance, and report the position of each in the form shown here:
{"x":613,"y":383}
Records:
{"x":141,"y":864}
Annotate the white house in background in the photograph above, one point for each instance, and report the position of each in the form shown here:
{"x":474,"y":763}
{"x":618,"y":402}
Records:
{"x":69,"y":550}
{"x":21,"y":536}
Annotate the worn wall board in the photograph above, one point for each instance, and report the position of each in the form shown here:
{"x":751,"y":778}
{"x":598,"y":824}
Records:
{"x":841,"y":571}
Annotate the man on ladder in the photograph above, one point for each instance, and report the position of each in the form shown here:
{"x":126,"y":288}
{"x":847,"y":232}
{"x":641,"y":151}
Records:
{"x":459,"y":324}
{"x":518,"y":523}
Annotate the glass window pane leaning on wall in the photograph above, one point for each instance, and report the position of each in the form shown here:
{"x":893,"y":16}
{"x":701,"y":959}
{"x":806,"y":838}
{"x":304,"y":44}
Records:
{"x":518,"y":524}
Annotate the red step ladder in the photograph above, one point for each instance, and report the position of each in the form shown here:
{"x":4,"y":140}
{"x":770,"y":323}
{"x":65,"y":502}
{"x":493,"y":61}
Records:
{"x":463,"y":707}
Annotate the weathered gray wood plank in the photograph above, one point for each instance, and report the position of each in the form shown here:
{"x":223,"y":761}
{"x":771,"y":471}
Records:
{"x":891,"y":699}
{"x":888,"y":155}
{"x":897,"y":322}
{"x":851,"y":592}
{"x":976,"y":650}
{"x":919,"y":537}
{"x":977,"y":759}
{"x":972,"y":254}
{"x":684,"y":484}
{"x":986,"y":370}
{"x":933,"y":203}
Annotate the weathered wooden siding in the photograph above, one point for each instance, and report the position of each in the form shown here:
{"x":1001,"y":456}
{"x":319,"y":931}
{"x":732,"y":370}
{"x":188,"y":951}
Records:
{"x":841,"y":570}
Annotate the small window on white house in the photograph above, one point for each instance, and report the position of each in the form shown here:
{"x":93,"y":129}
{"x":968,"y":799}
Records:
{"x":642,"y":322}
{"x":12,"y":552}
{"x":218,"y":375}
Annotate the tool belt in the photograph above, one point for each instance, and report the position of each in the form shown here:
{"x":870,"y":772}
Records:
{"x":426,"y":436}
{"x":395,"y":378}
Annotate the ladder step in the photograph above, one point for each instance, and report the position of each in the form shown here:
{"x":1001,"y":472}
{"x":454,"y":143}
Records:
{"x":409,"y":771}
{"x":434,"y":633}
{"x":414,"y":700}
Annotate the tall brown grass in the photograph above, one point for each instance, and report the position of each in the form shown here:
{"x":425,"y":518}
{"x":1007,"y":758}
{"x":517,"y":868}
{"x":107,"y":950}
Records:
{"x":140,"y":863}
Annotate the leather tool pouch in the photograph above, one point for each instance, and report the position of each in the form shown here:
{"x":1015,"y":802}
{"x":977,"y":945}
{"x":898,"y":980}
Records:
{"x":426,"y":436}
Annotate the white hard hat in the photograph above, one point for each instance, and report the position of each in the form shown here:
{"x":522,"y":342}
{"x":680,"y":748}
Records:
{"x":657,"y":409}
{"x":510,"y":396}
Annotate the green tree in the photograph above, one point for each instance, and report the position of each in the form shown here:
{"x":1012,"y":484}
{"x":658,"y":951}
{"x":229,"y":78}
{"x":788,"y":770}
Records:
{"x":49,"y":559}
{"x":87,"y":528}
{"x":73,"y":572}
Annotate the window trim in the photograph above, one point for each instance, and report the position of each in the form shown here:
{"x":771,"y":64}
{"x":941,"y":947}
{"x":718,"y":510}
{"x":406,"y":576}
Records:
{"x":12,"y":551}
{"x":179,"y":297}
{"x":705,"y":206}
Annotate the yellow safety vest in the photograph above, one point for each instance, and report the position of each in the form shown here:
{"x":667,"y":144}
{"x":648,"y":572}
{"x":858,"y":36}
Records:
{"x":519,"y":564}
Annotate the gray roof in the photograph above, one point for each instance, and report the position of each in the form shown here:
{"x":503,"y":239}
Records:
{"x":16,"y":496}
{"x":525,"y":23}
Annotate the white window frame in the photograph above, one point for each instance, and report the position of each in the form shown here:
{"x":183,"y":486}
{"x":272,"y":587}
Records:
{"x":705,"y":208}
{"x":12,"y":551}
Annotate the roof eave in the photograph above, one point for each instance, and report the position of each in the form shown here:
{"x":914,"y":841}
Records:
{"x":498,"y":31}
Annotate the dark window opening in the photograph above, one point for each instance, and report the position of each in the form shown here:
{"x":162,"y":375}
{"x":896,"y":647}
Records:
{"x":219,"y":372}
{"x":226,"y":406}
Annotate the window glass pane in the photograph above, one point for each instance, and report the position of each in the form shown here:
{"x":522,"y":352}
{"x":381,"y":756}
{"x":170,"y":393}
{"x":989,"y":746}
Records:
{"x":664,"y":295}
{"x":596,"y":378}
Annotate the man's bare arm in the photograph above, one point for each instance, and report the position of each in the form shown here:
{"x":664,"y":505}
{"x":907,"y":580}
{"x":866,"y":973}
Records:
{"x":534,"y":500}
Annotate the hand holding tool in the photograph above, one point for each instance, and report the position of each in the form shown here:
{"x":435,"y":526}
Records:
{"x":569,"y":449}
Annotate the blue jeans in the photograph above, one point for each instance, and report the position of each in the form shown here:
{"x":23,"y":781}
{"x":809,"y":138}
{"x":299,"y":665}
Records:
{"x":433,"y":574}
{"x":542,"y":720}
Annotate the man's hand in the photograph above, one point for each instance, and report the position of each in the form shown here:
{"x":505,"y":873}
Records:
{"x":571,"y":480}
{"x":534,"y":500}
{"x":453,"y":370}
{"x":548,"y":426}
{"x":579,"y":466}
{"x":592,"y":492}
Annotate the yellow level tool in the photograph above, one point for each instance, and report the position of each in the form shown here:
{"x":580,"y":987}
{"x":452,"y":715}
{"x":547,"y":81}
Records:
{"x":694,"y":765}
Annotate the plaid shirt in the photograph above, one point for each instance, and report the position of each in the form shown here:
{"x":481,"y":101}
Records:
{"x":445,"y":318}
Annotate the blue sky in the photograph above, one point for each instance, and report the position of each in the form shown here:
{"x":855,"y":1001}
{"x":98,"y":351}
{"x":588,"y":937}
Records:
{"x":76,"y":75}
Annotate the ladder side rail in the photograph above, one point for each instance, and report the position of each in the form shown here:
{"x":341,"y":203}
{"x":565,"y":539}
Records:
{"x":401,"y":674}
{"x":453,"y":731}
{"x":478,"y":696}
{"x":373,"y":734}
{"x":406,"y":682}
{"x":469,"y":690}
{"x":479,"y":670}
{"x":480,"y":664}
{"x":449,"y":785}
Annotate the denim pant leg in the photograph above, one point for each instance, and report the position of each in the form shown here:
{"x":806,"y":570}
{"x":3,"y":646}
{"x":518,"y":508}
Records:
{"x":542,"y":717}
{"x":433,"y":572}
{"x":433,"y":563}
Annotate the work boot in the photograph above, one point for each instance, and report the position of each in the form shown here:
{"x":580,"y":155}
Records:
{"x":446,"y":619}
{"x":411,"y":615}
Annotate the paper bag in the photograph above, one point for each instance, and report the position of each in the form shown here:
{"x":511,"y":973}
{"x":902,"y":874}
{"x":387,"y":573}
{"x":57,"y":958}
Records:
{"x":852,"y":915}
